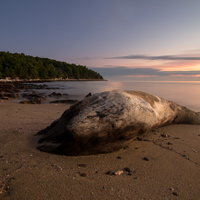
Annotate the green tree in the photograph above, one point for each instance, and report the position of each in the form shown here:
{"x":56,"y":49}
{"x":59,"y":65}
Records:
{"x":12,"y":73}
{"x":43,"y":72}
{"x":6,"y":72}
{"x":23,"y":73}
{"x":34,"y":67}
{"x":51,"y":71}
{"x":33,"y":73}
{"x":59,"y":73}
{"x":76,"y":73}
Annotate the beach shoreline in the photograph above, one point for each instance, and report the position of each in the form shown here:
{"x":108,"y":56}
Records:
{"x":164,"y":164}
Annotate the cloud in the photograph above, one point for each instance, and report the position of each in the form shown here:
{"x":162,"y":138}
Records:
{"x":179,"y":65}
{"x":143,"y":72}
{"x":123,"y":71}
{"x":162,"y":57}
{"x":186,"y":75}
{"x":140,"y":76}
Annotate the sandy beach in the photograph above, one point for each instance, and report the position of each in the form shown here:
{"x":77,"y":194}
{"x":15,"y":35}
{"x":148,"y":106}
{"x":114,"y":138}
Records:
{"x":164,"y":164}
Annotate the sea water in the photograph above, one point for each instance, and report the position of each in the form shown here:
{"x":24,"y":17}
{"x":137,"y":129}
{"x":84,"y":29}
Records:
{"x":183,"y":93}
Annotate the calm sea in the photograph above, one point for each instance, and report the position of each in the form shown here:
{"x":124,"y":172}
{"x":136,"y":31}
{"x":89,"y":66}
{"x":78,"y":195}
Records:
{"x":184,"y":93}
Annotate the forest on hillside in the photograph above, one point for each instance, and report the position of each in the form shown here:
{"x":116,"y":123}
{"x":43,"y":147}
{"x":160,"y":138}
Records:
{"x":28,"y":67}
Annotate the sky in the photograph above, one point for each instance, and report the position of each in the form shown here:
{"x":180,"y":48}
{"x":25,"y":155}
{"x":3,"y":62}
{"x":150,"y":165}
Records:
{"x":128,"y":40}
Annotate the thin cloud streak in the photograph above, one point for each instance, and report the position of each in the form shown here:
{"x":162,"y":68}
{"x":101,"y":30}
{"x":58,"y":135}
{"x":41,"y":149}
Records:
{"x":162,"y":57}
{"x":143,"y":72}
{"x":183,"y":75}
{"x":140,"y":76}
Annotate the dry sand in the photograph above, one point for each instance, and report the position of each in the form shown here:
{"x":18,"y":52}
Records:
{"x":164,"y":165}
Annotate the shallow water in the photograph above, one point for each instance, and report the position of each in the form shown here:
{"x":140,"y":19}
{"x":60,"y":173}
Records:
{"x":184,"y":93}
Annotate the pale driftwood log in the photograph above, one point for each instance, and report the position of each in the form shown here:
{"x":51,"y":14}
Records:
{"x":109,"y":121}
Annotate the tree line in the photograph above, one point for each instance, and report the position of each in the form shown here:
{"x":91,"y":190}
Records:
{"x":28,"y":67}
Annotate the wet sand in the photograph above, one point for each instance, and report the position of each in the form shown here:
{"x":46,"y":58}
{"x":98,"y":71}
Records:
{"x":164,"y":164}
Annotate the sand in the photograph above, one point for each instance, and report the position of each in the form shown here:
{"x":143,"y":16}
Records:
{"x":164,"y":164}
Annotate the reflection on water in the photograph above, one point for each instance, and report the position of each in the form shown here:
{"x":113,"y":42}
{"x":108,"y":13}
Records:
{"x":184,"y":93}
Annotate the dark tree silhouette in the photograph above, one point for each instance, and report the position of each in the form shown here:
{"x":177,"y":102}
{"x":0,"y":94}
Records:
{"x":29,"y":67}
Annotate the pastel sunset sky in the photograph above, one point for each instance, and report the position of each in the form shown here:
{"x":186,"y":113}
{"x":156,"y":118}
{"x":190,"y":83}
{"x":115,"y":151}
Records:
{"x":139,"y":40}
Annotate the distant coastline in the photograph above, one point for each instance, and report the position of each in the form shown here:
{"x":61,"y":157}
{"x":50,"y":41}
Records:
{"x":10,"y":80}
{"x":20,"y":66}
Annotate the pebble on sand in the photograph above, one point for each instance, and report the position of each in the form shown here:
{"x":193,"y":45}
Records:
{"x":82,"y":165}
{"x":169,"y":143}
{"x":109,"y":173}
{"x":175,"y":193}
{"x":127,"y":169}
{"x":146,"y":159}
{"x":163,"y":135}
{"x":83,"y":174}
{"x":118,"y":173}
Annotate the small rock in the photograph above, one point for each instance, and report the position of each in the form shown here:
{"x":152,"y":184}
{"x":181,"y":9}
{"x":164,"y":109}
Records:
{"x":130,"y":173}
{"x":5,"y":98}
{"x":109,"y":173}
{"x":83,"y":174}
{"x":119,"y":157}
{"x":71,"y":101}
{"x":88,"y":95}
{"x":175,"y":193}
{"x":163,"y":135}
{"x":139,"y":138}
{"x":145,"y":158}
{"x":33,"y":101}
{"x":59,"y":168}
{"x":126,"y":147}
{"x":176,"y":138}
{"x":127,"y":169}
{"x":118,"y":173}
{"x":169,"y":143}
{"x":186,"y":156}
{"x":55,"y":94}
{"x":82,"y":165}
{"x":7,"y":188}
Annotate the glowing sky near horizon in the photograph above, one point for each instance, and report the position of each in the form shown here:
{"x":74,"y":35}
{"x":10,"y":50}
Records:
{"x":121,"y":39}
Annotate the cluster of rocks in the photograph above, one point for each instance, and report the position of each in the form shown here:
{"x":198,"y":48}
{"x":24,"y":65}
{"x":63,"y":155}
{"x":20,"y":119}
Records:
{"x":32,"y":86}
{"x":8,"y":91}
{"x":26,"y":91}
{"x":7,"y":95}
{"x":71,"y":101}
{"x":53,"y":94}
